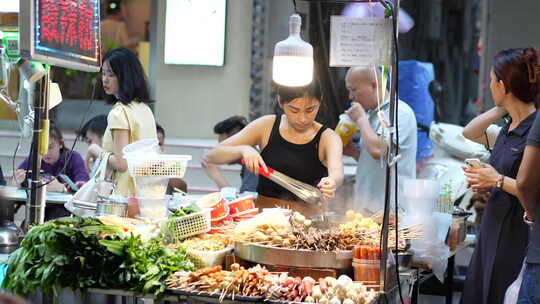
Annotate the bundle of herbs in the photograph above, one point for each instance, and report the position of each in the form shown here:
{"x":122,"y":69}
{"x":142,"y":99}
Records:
{"x":146,"y":267}
{"x":80,"y":253}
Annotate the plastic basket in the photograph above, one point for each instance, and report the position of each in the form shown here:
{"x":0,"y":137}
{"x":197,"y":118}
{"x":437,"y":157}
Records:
{"x":183,"y":227}
{"x":158,"y":165}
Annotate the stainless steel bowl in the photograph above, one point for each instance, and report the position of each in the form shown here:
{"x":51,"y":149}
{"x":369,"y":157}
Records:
{"x":329,"y":220}
{"x":340,"y":259}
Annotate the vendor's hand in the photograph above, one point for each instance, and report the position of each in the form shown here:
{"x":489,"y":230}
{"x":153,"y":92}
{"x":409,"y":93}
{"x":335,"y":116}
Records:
{"x":93,"y":153}
{"x":327,"y":185}
{"x":351,"y":150}
{"x":253,"y":160}
{"x":19,"y":176}
{"x":482,"y":178}
{"x":356,"y":112}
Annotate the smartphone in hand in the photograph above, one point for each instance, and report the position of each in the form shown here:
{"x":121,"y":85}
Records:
{"x":66,"y":180}
{"x":473,"y":163}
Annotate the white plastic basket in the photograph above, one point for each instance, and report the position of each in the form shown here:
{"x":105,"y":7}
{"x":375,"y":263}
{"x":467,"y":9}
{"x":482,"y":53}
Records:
{"x":158,"y":165}
{"x":183,"y":227}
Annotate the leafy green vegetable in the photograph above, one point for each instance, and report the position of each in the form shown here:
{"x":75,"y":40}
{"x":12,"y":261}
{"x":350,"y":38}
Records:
{"x":183,"y":211}
{"x":178,"y":213}
{"x":62,"y":253}
{"x":193,"y":208}
{"x":79,"y":253}
{"x":147,"y":266}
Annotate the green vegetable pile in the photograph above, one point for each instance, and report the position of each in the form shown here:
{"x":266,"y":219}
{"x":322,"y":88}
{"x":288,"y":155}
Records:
{"x":80,"y":253}
{"x":146,"y":268}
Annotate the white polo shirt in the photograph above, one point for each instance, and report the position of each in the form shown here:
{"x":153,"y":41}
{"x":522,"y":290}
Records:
{"x":370,"y":173}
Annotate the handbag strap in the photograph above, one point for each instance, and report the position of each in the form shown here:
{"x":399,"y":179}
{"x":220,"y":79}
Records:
{"x":102,"y":169}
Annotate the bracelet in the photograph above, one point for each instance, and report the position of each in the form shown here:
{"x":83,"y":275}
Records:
{"x":500,"y":182}
{"x":526,"y":220}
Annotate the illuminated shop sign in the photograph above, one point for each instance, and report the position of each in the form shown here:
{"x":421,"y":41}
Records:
{"x":61,"y":32}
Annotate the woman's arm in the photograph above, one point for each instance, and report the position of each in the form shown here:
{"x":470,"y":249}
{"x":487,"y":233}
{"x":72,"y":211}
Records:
{"x":240,"y":146}
{"x":528,"y":179}
{"x":214,"y":173}
{"x":77,"y":170}
{"x":332,"y":158}
{"x":120,"y":140}
{"x":487,"y":177}
{"x":116,"y":160}
{"x":475,"y":130}
{"x":333,"y":148}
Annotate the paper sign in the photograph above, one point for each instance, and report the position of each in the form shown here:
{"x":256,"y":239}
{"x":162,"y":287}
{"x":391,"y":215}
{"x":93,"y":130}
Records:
{"x":55,"y":96}
{"x":360,"y":41}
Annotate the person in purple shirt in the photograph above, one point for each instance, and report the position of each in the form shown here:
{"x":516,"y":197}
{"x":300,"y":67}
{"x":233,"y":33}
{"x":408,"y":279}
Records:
{"x":52,"y":164}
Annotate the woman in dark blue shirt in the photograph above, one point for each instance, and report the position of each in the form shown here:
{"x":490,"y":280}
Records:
{"x":503,"y":236}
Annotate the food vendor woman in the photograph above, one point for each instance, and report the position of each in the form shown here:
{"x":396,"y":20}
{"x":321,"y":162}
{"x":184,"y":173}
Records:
{"x":292,"y":143}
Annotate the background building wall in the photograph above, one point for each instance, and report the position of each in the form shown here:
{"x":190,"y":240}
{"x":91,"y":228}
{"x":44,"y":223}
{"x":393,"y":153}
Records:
{"x":191,"y":99}
{"x":506,"y":24}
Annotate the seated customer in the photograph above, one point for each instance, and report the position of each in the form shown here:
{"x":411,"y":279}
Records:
{"x":224,"y":130}
{"x":58,"y":160}
{"x":93,"y":130}
{"x":177,"y":183}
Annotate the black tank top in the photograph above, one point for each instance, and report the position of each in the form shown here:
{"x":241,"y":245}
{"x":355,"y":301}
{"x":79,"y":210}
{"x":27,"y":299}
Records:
{"x":299,"y":161}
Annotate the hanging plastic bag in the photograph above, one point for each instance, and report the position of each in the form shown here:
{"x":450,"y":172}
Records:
{"x":84,"y":201}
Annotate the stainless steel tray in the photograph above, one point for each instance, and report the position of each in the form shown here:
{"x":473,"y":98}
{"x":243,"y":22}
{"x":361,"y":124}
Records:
{"x":295,"y":258}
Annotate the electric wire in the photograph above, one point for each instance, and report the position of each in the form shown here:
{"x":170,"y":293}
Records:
{"x":396,"y":120}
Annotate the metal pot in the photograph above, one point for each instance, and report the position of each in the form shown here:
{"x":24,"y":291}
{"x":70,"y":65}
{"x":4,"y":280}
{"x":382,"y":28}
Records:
{"x":111,"y":207}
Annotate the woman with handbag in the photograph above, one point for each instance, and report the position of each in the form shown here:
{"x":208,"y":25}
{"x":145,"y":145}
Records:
{"x":130,"y":119}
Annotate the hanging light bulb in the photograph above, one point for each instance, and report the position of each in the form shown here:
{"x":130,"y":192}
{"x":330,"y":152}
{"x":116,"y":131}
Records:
{"x":293,"y":58}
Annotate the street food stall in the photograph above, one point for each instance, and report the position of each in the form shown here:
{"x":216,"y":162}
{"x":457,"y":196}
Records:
{"x":209,"y":250}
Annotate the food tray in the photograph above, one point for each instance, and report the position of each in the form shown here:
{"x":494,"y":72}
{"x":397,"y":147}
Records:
{"x":341,"y":259}
{"x":215,"y":296}
{"x":183,"y":227}
{"x":159,"y":165}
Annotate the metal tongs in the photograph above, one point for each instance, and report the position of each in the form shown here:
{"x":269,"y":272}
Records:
{"x":305,"y":192}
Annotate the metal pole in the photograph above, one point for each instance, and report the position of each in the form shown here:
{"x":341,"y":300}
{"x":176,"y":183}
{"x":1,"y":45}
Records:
{"x":35,"y":206}
{"x":391,"y":153}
